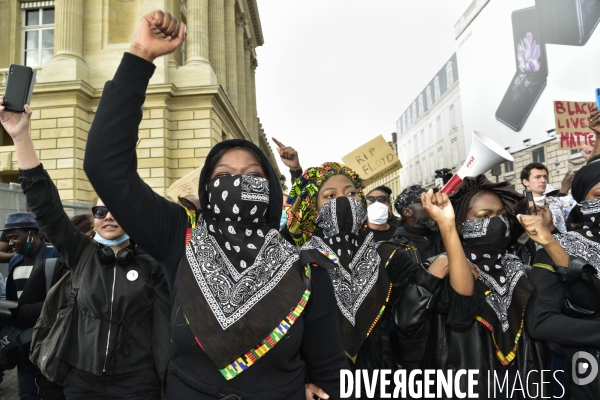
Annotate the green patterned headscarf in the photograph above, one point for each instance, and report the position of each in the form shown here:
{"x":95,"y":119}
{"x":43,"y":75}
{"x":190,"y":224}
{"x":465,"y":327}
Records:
{"x":301,"y":206}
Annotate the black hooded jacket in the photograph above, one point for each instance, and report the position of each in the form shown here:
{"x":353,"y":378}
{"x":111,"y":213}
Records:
{"x":160,"y":227}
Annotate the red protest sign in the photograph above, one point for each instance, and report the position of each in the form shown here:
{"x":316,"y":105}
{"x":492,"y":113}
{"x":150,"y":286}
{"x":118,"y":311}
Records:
{"x":572,"y":129}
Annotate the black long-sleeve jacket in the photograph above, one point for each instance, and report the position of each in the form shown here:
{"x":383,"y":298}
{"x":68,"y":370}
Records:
{"x":122,"y":325}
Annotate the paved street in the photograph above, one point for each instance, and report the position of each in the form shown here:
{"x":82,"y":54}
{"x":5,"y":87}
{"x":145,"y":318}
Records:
{"x":8,"y":387}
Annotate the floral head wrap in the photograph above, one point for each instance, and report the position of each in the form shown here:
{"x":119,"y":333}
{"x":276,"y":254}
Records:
{"x":301,"y":206}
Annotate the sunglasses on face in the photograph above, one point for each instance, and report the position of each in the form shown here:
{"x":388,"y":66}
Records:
{"x":381,"y":199}
{"x":99,"y":212}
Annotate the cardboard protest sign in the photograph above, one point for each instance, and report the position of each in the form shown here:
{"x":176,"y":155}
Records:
{"x":373,"y":160}
{"x":184,"y":186}
{"x":572,"y":129}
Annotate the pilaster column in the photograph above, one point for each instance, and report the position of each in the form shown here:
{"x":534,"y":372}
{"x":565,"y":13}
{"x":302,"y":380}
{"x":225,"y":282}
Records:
{"x":254,"y":115}
{"x":249,"y":92}
{"x":197,"y":46}
{"x":241,"y":66}
{"x":68,"y":29}
{"x":230,"y":52}
{"x":216,"y":29}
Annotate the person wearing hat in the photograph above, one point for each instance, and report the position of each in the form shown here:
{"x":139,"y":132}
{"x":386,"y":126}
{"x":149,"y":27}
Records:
{"x":24,"y":240}
{"x":418,"y":230}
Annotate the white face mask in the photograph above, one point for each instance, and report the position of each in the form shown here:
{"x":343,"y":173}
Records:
{"x":378,"y":213}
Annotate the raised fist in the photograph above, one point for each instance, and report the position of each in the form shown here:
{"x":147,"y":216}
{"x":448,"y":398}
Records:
{"x":158,"y":33}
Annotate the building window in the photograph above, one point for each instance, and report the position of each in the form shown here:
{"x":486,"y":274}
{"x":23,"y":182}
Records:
{"x":422,"y":138}
{"x":413,"y":111}
{"x":454,"y":149}
{"x":37,"y":35}
{"x":421,"y":109}
{"x":408,"y":120}
{"x":403,"y":123}
{"x":440,"y":156}
{"x":431,"y":166}
{"x":538,"y":155}
{"x":425,"y":172}
{"x":449,"y":76}
{"x":436,"y":87}
{"x":418,"y":171}
{"x":452,"y":115}
{"x":412,"y":175}
{"x":509,"y":166}
{"x":430,"y":132}
{"x":416,"y":144}
{"x":438,"y":125}
{"x":575,"y":151}
{"x":428,"y":92}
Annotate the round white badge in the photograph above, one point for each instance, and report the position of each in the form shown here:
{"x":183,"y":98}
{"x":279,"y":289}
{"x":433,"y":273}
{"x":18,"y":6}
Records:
{"x":132,"y":275}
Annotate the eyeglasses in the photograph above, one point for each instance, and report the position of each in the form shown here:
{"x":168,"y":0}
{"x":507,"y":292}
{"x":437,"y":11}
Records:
{"x":381,"y":199}
{"x":99,"y":212}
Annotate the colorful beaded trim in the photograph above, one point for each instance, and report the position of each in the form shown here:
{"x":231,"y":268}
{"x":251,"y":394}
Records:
{"x":504,"y":359}
{"x":254,"y":354}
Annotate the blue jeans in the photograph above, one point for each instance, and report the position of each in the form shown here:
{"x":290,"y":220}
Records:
{"x":26,"y":374}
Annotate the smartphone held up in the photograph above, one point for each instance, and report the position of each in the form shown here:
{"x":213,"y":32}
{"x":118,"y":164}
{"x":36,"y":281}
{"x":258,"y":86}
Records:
{"x":19,"y":87}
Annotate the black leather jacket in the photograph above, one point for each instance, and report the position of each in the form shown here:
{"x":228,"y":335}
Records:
{"x":457,"y":341}
{"x":564,"y":310}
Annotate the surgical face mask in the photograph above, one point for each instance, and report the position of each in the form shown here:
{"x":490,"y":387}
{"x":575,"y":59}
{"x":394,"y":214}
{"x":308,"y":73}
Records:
{"x":28,"y":246}
{"x":378,"y":213}
{"x":283,"y":220}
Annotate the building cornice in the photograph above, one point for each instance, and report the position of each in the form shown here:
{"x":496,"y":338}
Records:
{"x":255,"y":22}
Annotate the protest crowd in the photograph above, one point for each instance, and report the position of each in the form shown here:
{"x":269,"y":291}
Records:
{"x":244,"y":292}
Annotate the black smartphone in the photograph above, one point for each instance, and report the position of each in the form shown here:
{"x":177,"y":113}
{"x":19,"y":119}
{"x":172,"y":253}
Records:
{"x":529,"y":198}
{"x":530,"y":77}
{"x":19,"y":87}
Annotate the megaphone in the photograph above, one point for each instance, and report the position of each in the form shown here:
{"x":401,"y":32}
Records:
{"x":483,"y":156}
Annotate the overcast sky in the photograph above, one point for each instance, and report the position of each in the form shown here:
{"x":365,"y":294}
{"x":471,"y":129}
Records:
{"x":333,"y":74}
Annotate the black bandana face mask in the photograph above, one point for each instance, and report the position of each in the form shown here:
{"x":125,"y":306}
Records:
{"x":491,"y":235}
{"x":228,"y":197}
{"x":591,"y":218}
{"x":340,"y":221}
{"x":343,"y":215}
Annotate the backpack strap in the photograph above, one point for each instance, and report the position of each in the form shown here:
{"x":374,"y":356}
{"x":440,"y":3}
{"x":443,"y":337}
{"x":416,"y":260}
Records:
{"x":83,"y":261}
{"x":49,"y":271}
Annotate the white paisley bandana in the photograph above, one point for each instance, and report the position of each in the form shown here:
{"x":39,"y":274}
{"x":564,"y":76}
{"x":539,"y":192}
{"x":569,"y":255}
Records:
{"x":584,"y":242}
{"x":235,"y":257}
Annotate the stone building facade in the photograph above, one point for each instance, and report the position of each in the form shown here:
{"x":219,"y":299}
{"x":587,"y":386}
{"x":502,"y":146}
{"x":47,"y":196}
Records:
{"x":200,"y":95}
{"x":430,"y":130}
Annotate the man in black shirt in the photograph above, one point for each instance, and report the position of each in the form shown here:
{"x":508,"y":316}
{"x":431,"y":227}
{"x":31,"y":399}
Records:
{"x":418,"y":229}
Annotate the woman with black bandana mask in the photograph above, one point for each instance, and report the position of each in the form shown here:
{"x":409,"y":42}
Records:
{"x":244,"y":307}
{"x":565,"y":307}
{"x":494,"y":342}
{"x":327,"y":216}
